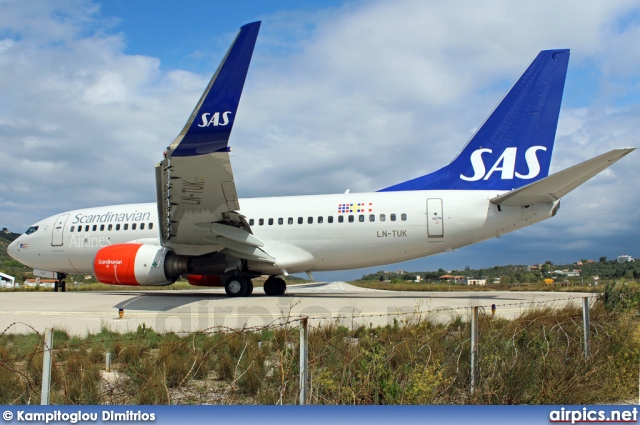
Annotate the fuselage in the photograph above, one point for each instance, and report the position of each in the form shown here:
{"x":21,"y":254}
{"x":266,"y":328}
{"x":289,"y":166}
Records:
{"x":338,"y":232}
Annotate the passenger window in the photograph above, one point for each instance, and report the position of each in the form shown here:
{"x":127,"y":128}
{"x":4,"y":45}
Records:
{"x":320,"y":220}
{"x":251,"y":221}
{"x":133,"y":226}
{"x":141,"y":226}
{"x":86,"y":228}
{"x":94,"y":228}
{"x":392,"y":217}
{"x":300,"y":220}
{"x":110,"y":227}
{"x":125,"y":226}
{"x":350,"y":219}
{"x":270,"y":222}
{"x":382,"y":217}
{"x":72,"y":228}
{"x":361,"y":218}
{"x":118,"y":226}
{"x":102,"y":227}
{"x":372,"y":217}
{"x":261,"y":221}
{"x":281,"y":220}
{"x":403,"y":217}
{"x":290,"y":220}
{"x":310,"y":220}
{"x":150,"y":226}
{"x":330,"y":219}
{"x":340,"y":219}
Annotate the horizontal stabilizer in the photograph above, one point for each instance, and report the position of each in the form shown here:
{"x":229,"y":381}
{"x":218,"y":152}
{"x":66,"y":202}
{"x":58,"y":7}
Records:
{"x":554,"y":187}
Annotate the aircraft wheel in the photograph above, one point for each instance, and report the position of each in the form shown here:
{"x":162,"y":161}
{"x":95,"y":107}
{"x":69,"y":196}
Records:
{"x":249,"y":288}
{"x":236,"y":286}
{"x":269,"y":287}
{"x":56,"y":284}
{"x":281,"y":286}
{"x":274,"y":286}
{"x":63,"y":286}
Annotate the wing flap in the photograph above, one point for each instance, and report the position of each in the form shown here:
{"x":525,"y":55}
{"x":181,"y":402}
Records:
{"x":556,"y":186}
{"x":257,"y":255}
{"x":234,"y":233}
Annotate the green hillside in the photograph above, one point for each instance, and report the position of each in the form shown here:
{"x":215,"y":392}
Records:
{"x":512,"y":274}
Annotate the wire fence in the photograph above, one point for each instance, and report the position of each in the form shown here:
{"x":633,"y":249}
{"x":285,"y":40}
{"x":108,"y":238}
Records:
{"x":536,"y":358}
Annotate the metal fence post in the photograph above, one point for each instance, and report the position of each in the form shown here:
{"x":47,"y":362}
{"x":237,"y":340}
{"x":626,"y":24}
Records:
{"x":107,"y":365}
{"x":587,"y":325}
{"x":474,"y":347}
{"x":304,"y":359}
{"x":46,"y":367}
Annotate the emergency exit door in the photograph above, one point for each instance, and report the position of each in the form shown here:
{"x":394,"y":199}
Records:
{"x":435,"y":224}
{"x":58,"y":230}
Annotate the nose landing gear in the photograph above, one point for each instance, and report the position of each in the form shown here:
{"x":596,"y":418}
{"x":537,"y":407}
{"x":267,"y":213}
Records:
{"x":60,"y":283}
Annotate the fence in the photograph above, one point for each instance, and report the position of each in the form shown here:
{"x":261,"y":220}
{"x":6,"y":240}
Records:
{"x":547,"y":355}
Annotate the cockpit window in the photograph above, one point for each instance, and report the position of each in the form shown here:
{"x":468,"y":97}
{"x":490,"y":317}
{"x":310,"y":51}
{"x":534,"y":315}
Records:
{"x":31,"y":230}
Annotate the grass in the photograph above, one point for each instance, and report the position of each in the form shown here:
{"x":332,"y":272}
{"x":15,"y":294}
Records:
{"x":450,"y":287}
{"x":535,"y":359}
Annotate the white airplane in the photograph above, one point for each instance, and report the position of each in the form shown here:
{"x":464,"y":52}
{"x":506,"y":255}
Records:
{"x":200,"y":229}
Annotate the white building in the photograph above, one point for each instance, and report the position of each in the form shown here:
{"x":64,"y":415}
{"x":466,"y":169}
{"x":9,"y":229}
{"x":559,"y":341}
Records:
{"x":7,"y":281}
{"x":476,"y":281}
{"x":625,"y":259}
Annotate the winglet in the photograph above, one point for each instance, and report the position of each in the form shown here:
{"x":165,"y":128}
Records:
{"x":209,"y":126}
{"x":513,"y":147}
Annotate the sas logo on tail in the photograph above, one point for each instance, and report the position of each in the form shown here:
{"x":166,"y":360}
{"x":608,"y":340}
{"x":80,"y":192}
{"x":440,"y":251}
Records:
{"x":209,"y":119}
{"x":506,"y":164}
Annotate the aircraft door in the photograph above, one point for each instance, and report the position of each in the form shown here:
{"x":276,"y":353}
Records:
{"x":58,"y":230}
{"x":435,"y":225}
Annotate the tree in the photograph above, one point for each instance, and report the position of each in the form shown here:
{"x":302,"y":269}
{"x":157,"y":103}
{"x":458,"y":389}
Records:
{"x":603,"y":259}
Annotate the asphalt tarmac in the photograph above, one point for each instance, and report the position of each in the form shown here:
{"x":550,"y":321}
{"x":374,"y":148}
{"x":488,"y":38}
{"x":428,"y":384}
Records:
{"x":80,"y":313}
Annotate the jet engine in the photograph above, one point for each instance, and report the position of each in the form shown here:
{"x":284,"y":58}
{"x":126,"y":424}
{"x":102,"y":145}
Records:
{"x":137,"y":264}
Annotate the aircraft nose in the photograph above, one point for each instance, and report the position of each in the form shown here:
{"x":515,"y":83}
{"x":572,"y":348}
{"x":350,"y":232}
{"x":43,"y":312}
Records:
{"x":12,"y":249}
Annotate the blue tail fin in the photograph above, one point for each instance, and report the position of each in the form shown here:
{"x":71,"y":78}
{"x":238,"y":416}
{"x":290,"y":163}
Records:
{"x":210,"y":123}
{"x":514,"y":145}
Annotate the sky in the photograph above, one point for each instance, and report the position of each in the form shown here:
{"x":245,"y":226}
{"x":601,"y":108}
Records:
{"x":340,"y":95}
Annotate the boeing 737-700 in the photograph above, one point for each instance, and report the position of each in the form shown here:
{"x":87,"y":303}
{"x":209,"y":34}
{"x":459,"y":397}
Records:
{"x":198,"y":228}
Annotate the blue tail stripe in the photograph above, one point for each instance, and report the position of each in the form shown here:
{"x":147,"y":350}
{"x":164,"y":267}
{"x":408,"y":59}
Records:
{"x":210,"y":124}
{"x":514,"y":145}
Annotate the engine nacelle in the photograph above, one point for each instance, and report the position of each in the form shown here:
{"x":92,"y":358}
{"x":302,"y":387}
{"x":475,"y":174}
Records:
{"x":204,"y":280}
{"x":134,"y":264}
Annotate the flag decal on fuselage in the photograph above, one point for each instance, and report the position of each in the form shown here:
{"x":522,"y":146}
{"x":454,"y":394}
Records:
{"x":355,"y":208}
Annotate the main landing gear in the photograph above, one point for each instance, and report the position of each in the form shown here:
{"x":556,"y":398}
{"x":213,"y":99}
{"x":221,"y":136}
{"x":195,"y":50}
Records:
{"x":238,"y":286}
{"x":275,"y":286}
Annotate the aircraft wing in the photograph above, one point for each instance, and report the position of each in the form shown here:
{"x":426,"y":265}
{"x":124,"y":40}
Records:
{"x":554,"y":187}
{"x":194,"y":182}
